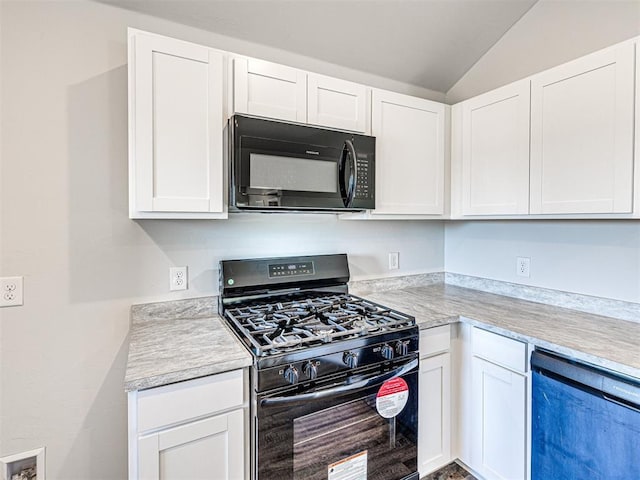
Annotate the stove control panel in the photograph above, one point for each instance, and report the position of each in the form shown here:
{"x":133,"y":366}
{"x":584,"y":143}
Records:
{"x":330,"y":360}
{"x":277,"y":270}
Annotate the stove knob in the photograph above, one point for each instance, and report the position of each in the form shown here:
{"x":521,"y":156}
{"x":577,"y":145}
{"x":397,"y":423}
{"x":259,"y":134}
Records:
{"x":291,"y":375}
{"x":350,"y":359}
{"x":310,"y":370}
{"x":402,"y":348}
{"x":387,"y":351}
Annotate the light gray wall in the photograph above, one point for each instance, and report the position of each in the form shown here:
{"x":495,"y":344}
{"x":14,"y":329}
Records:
{"x":65,"y":228}
{"x":600,"y":258}
{"x":550,"y":33}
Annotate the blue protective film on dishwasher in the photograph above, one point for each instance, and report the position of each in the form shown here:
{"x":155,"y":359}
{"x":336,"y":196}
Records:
{"x":580,"y":435}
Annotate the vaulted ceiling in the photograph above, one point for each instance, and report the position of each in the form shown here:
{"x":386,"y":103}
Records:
{"x":427,"y":43}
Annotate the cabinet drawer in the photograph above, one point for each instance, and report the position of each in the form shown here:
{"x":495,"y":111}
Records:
{"x":504,"y":351}
{"x":435,"y":340}
{"x":158,"y":407}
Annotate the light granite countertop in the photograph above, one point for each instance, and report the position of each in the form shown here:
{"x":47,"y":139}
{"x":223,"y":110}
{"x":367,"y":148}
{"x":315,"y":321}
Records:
{"x":182,"y":340}
{"x":595,"y":339}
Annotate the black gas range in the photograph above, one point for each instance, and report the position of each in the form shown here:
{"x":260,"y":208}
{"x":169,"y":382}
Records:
{"x":334,"y":376}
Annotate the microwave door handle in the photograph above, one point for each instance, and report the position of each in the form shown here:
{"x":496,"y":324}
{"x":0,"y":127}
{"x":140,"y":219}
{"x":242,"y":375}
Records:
{"x":308,"y":397}
{"x":353,"y":177}
{"x":341,"y":181}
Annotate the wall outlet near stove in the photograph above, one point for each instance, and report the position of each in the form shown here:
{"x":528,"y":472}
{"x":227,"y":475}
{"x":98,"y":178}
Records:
{"x":523,"y":264}
{"x":11,"y":289}
{"x":178,"y":279}
{"x":394,"y":260}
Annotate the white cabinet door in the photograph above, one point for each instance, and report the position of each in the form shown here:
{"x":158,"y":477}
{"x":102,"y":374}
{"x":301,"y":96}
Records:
{"x":434,"y":413}
{"x":176,"y":125}
{"x":338,"y":104}
{"x":582,"y":135}
{"x":495,"y":152}
{"x":207,"y":449}
{"x":410,"y":135}
{"x":498,"y":446}
{"x":269,"y":90}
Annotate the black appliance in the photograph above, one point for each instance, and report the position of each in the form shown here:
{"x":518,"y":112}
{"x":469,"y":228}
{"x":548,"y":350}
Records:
{"x":585,"y":421}
{"x":278,"y":166}
{"x":334,"y":382}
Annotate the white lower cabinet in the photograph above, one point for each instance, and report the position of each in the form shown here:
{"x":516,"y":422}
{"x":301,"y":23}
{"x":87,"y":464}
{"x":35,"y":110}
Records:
{"x":210,"y":448}
{"x":494,"y":412}
{"x":499,"y":422}
{"x":434,"y":414}
{"x":190,"y":430}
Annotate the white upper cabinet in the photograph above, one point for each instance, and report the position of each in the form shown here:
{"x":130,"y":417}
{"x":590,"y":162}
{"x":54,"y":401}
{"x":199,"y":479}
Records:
{"x":276,"y":91}
{"x":269,"y":90}
{"x":495,"y":152}
{"x":582,"y":135}
{"x":175,"y":125}
{"x":558,"y":144}
{"x":338,"y":104}
{"x":410,"y":136}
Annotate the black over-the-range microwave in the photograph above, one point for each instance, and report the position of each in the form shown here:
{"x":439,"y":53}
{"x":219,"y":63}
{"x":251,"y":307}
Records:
{"x":279,"y":166}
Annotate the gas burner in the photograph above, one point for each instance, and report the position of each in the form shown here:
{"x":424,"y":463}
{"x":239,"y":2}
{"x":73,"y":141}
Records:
{"x":285,"y":340}
{"x":366,"y":325}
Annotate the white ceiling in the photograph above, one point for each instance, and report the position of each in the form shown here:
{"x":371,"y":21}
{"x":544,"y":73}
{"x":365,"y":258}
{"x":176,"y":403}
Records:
{"x":427,"y":43}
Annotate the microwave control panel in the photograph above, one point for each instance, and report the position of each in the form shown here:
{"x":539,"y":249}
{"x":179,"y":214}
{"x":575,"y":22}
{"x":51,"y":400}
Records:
{"x":364,"y":187}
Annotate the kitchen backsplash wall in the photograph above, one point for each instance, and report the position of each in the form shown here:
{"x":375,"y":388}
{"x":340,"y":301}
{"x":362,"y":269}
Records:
{"x":202,"y":244}
{"x":65,"y":227}
{"x":599,"y":258}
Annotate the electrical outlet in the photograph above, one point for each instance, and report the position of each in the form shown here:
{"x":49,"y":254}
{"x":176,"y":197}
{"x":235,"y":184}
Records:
{"x":11,"y":291}
{"x":523,"y":265}
{"x":178,"y":278}
{"x":394,"y":260}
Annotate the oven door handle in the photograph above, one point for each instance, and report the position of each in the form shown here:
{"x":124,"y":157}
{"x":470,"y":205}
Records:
{"x":341,"y":390}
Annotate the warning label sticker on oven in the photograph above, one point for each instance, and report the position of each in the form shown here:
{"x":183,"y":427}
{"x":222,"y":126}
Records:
{"x":392,"y":397}
{"x":350,"y":468}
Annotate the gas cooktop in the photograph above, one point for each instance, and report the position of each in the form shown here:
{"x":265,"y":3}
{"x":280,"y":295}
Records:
{"x":311,"y":320}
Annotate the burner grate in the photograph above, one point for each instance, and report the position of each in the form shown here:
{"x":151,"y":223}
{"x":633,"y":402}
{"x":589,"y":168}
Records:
{"x":281,"y":327}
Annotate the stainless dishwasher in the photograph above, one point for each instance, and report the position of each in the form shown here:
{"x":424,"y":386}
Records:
{"x":585,"y":421}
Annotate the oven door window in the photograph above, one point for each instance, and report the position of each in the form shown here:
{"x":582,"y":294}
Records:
{"x":336,"y":437}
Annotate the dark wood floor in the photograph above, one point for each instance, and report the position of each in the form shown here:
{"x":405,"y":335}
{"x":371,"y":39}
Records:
{"x":453,"y":471}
